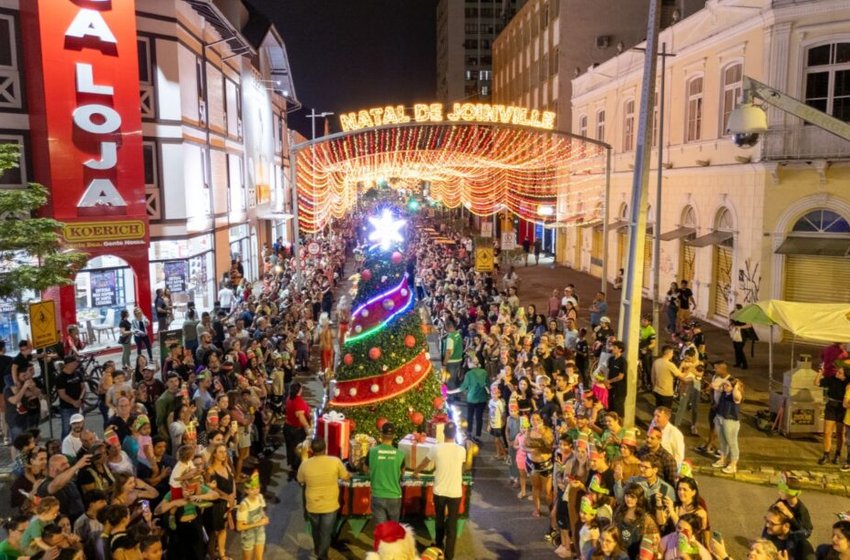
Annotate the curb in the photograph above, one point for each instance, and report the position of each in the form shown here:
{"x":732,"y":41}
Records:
{"x":830,"y":483}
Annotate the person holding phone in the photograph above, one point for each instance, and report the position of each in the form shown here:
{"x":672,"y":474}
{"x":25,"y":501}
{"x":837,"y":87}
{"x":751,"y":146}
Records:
{"x":728,"y":422}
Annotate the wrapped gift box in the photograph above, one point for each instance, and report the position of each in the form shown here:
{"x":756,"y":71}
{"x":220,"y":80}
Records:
{"x":335,"y":429}
{"x":437,"y":426}
{"x":355,"y":498}
{"x":416,"y":448}
{"x":360,"y":446}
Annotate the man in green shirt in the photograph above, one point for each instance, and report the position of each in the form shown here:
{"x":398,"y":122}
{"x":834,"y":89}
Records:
{"x":385,"y":463}
{"x":452,"y":357}
{"x":476,"y":386}
{"x":646,"y":348}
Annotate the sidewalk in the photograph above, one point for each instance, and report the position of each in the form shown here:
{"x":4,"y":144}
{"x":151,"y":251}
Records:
{"x":763,"y":456}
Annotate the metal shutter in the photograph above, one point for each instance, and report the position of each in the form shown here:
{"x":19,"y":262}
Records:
{"x":579,"y":242}
{"x":621,"y":250}
{"x":722,"y":280}
{"x":813,"y":279}
{"x":687,"y":254}
{"x":647,"y":262}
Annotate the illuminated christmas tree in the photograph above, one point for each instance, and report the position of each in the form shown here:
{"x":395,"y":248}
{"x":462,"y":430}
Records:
{"x":385,"y":373}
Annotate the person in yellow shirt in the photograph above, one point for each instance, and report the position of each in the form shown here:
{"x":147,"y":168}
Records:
{"x":320,"y":476}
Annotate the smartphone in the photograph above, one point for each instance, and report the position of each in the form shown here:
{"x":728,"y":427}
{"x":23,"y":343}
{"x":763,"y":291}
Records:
{"x":146,"y":506}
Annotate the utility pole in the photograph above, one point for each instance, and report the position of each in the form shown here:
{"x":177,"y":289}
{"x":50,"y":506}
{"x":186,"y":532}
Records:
{"x":632,"y":292}
{"x":656,"y":245}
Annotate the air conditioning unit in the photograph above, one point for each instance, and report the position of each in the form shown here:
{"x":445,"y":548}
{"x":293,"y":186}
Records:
{"x":603,"y":41}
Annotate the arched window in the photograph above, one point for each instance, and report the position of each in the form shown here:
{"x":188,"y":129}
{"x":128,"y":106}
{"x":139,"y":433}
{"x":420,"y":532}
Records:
{"x":629,"y":125}
{"x":724,"y":221}
{"x":828,"y":79}
{"x":689,"y":217}
{"x":732,"y":89}
{"x":582,"y":126}
{"x":693,"y":117}
{"x":821,"y":221}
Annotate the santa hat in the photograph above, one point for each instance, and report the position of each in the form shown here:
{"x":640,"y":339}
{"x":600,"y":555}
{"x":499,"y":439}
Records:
{"x":393,"y":541}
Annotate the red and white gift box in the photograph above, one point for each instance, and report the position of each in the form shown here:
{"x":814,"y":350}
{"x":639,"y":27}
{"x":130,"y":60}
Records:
{"x":416,"y":447}
{"x":336,"y":431}
{"x":437,"y":426}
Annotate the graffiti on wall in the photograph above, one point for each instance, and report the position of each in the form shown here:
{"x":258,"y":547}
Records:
{"x":749,"y":281}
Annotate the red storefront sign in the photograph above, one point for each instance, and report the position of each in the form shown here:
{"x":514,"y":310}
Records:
{"x":86,"y":127}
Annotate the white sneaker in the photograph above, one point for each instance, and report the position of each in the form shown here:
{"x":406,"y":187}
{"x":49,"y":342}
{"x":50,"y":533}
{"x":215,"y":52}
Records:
{"x":719,"y":463}
{"x":730,"y":469}
{"x":562,"y":552}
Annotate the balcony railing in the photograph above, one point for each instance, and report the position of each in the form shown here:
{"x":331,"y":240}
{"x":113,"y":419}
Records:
{"x":803,"y":142}
{"x":10,"y":88}
{"x":146,"y":97}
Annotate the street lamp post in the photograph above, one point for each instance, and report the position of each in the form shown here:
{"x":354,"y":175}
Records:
{"x":632,"y":293}
{"x":656,"y":245}
{"x":313,"y":116}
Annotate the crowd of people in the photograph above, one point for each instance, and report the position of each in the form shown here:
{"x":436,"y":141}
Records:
{"x":175,"y":457}
{"x":551,"y":382}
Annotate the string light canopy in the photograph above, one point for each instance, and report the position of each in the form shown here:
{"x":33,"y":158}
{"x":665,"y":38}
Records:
{"x":487,"y":168}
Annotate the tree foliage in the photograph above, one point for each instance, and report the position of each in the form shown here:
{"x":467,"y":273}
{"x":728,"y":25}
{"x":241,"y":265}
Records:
{"x":32,"y":256}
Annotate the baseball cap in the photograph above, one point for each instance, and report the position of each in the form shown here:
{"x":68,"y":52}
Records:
{"x":388,"y":429}
{"x":604,"y":320}
{"x":77,"y":418}
{"x":70,"y":358}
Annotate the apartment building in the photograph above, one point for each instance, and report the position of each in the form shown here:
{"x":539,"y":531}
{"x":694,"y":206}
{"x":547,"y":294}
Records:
{"x":465,"y":34}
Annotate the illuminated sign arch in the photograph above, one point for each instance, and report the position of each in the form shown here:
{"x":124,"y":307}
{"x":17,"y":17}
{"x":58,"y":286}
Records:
{"x":483,"y":113}
{"x":486,"y":167}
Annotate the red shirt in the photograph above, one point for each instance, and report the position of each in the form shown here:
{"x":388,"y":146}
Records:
{"x":293,"y":405}
{"x":828,"y":357}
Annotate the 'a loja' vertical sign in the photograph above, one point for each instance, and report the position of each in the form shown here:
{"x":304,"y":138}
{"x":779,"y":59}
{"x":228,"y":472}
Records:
{"x":85,"y":116}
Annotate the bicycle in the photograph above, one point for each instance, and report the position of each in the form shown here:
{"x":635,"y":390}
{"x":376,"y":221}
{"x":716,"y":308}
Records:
{"x":91,"y":372}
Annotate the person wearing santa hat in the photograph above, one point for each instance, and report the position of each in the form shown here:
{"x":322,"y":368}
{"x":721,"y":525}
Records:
{"x":394,"y":541}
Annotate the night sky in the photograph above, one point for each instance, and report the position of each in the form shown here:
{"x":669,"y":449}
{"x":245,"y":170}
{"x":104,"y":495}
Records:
{"x":352,"y":54}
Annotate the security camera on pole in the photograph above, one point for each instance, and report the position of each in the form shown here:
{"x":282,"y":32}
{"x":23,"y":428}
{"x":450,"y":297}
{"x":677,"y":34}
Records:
{"x":749,"y":121}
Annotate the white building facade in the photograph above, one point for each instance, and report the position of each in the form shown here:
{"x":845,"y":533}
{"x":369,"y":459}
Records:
{"x":740,"y":225}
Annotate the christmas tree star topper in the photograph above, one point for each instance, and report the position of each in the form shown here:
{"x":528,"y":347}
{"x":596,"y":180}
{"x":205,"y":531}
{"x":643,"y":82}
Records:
{"x":386,"y":229}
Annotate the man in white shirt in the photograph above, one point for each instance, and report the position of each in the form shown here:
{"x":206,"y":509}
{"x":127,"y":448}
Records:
{"x":449,"y":459}
{"x":569,"y":297}
{"x":225,"y":298}
{"x":671,"y":437}
{"x":72,"y":443}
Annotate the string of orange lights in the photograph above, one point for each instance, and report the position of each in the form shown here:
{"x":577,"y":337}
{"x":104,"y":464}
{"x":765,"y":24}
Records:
{"x":541,"y":176}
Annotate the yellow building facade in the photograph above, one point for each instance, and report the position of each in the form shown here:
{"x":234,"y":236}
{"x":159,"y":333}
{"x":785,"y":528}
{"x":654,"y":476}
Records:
{"x":770,"y":221}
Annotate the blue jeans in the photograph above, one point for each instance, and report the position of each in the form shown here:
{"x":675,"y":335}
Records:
{"x":454,"y":370}
{"x":385,"y":509}
{"x":727,"y":433}
{"x":142,"y":343}
{"x":322,"y":525}
{"x":513,"y":470}
{"x":475,"y":418}
{"x":690,"y":397}
{"x":66,"y":414}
